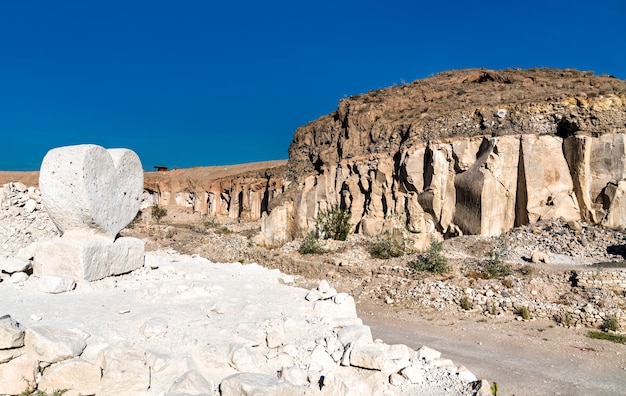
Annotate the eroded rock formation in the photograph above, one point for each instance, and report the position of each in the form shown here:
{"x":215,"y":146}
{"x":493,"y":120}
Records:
{"x":466,"y":152}
{"x":237,"y":191}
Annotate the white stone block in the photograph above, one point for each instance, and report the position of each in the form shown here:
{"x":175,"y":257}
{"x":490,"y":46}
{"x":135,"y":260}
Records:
{"x":51,"y":344}
{"x":17,"y":374}
{"x":77,"y":375}
{"x":54,"y":284}
{"x":125,"y":372}
{"x":88,"y":258}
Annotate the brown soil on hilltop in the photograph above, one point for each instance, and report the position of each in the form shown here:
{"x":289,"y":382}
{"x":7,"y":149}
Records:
{"x":199,"y":173}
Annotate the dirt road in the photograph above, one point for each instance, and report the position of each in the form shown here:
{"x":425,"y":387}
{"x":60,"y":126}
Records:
{"x":524,"y":358}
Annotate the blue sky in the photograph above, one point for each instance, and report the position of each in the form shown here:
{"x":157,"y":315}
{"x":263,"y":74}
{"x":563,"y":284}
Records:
{"x":198,"y":83}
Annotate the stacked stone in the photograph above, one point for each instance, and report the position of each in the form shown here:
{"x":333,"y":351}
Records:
{"x":614,"y":279}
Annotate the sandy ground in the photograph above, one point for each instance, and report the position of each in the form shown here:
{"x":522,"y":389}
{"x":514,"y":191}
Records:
{"x":524,"y":358}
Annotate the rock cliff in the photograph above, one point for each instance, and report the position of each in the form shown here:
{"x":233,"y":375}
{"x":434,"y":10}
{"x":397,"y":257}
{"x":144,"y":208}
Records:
{"x":238,"y":191}
{"x":464,"y":152}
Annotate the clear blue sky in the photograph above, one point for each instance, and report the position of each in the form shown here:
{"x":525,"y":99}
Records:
{"x":195,"y":83}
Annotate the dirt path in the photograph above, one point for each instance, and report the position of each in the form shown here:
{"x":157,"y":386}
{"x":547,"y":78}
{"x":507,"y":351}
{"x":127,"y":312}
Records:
{"x":524,"y":358}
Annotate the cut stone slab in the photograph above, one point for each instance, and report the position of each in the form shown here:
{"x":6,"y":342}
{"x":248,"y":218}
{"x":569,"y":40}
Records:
{"x":77,"y":375}
{"x":88,"y":258}
{"x":51,"y":344}
{"x":87,"y":187}
{"x":11,"y":335}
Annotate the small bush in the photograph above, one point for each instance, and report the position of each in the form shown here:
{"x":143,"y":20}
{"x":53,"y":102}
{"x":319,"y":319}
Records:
{"x":466,"y":303}
{"x":158,"y":213}
{"x":434,"y":261}
{"x":495,"y":267}
{"x":610,"y":324}
{"x":210,"y":222}
{"x":384,"y":247}
{"x":311,"y":244}
{"x":333,"y":223}
{"x":524,"y":313}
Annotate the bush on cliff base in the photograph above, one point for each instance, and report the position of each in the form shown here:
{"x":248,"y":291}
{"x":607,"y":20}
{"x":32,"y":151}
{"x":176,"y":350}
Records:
{"x":333,"y":223}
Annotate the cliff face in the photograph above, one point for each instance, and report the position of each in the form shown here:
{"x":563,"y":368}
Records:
{"x":471,"y":151}
{"x":238,"y":191}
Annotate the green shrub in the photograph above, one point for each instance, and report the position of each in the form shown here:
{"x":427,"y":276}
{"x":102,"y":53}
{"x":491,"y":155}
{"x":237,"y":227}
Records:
{"x":333,"y":223}
{"x":158,"y":213}
{"x":466,"y":303}
{"x":384,"y":247}
{"x":311,"y":244}
{"x":611,"y":323}
{"x":524,"y":313}
{"x":434,"y":261}
{"x":495,"y":266}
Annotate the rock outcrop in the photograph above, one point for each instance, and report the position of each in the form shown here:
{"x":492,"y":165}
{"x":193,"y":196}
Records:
{"x":237,"y":191}
{"x":466,"y":152}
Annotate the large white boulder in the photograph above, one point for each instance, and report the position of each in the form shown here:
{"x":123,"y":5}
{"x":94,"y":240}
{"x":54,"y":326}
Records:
{"x":89,"y":188}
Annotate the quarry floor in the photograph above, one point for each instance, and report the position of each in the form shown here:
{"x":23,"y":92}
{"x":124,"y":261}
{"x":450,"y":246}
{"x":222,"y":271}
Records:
{"x":535,"y":357}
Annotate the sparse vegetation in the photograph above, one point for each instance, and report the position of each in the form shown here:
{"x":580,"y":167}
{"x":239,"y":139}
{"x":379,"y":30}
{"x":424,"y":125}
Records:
{"x":524,"y":313}
{"x":35,"y":392}
{"x":466,"y":303}
{"x":434,"y":261}
{"x":610,"y":324}
{"x":158,"y":213}
{"x":311,"y":244}
{"x":495,"y":267}
{"x":494,"y":389}
{"x":333,"y":223}
{"x":384,"y":247}
{"x":601,"y":335}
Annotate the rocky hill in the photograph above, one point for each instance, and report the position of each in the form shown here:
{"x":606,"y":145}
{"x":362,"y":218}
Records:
{"x":463,"y":152}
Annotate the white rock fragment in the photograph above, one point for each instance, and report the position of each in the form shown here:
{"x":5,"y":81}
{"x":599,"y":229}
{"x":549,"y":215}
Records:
{"x":191,"y":383}
{"x":125,"y":372}
{"x":428,"y":354}
{"x":355,"y":334}
{"x":17,"y":375}
{"x":154,"y":327}
{"x":11,"y":334}
{"x":18,"y":277}
{"x":52,"y":344}
{"x":79,"y":376}
{"x":54,"y":284}
{"x":11,"y":265}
